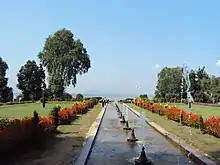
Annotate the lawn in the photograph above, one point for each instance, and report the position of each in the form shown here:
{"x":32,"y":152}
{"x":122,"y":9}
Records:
{"x":206,"y":144}
{"x":65,"y":147}
{"x":205,"y":111}
{"x":22,"y":110}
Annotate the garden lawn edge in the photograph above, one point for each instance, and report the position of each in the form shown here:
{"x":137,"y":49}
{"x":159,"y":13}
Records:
{"x":90,"y":139}
{"x":197,"y":157}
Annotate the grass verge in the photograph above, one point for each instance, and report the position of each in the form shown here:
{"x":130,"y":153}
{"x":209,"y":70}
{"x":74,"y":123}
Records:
{"x":18,"y":111}
{"x":205,"y":111}
{"x":206,"y":144}
{"x":64,"y":148}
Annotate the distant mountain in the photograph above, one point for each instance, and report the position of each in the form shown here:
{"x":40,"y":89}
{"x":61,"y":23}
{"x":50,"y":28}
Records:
{"x":110,"y":95}
{"x":97,"y":93}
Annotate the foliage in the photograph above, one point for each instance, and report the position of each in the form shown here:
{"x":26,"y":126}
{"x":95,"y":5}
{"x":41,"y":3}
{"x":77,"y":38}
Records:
{"x":67,"y":96}
{"x":144,"y":96}
{"x":65,"y":58}
{"x":168,"y":84}
{"x":31,"y":80}
{"x":127,"y":100}
{"x":79,"y":97}
{"x":55,"y":115}
{"x":211,"y":125}
{"x":19,"y":96}
{"x":204,"y":87}
{"x":19,"y":134}
{"x":201,"y":123}
{"x":6,"y":93}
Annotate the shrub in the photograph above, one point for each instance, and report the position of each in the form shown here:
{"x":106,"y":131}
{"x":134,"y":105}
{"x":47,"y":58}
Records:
{"x":20,"y":134}
{"x":201,"y":124}
{"x":79,"y":97}
{"x":54,"y":115}
{"x":210,"y":126}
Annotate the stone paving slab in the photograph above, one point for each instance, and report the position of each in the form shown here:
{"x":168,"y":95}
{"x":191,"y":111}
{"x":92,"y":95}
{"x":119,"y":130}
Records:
{"x":203,"y":160}
{"x":90,"y":138}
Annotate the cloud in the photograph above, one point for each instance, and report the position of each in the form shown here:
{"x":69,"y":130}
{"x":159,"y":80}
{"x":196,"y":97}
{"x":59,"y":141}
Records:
{"x":218,"y":63}
{"x":157,"y":66}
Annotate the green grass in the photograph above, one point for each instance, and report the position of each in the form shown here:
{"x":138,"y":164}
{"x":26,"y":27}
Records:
{"x":64,"y":147}
{"x":205,"y":111}
{"x":22,"y":110}
{"x":206,"y":144}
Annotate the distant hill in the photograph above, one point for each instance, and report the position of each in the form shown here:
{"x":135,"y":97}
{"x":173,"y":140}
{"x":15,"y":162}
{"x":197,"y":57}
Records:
{"x":110,"y":96}
{"x":107,"y":95}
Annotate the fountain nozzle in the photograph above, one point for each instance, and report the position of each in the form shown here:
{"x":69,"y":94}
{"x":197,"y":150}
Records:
{"x":123,"y":120}
{"x":132,"y":138}
{"x":142,"y":160}
{"x":127,"y":126}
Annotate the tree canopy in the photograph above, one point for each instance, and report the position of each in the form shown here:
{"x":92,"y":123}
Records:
{"x":64,"y":58}
{"x":204,"y":87}
{"x":79,"y":96}
{"x":31,"y":80}
{"x":6,"y":93}
{"x":144,"y":96}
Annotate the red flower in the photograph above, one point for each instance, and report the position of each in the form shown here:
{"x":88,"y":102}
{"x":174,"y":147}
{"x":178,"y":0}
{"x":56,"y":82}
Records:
{"x":212,"y":124}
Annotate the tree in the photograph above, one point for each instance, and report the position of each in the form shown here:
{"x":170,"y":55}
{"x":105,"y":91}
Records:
{"x":215,"y":88}
{"x":31,"y":80}
{"x":6,"y":93}
{"x":169,"y":83}
{"x":67,"y":96}
{"x":200,"y":84}
{"x":144,"y":96}
{"x":79,"y":96}
{"x":204,"y":87}
{"x":65,"y":58}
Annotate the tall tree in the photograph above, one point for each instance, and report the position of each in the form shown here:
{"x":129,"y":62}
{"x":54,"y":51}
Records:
{"x":200,"y":83}
{"x":31,"y":80}
{"x":65,"y":58}
{"x":204,"y":87}
{"x":79,"y":96}
{"x":215,"y":88}
{"x":5,"y":92}
{"x":168,"y":83}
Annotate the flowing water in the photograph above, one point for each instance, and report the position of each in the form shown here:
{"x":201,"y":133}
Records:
{"x":111,"y":146}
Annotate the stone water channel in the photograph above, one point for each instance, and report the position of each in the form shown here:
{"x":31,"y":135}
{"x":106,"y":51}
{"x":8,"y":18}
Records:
{"x":111,"y":147}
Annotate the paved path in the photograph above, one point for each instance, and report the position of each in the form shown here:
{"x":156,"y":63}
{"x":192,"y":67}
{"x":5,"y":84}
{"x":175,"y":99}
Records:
{"x":111,"y":147}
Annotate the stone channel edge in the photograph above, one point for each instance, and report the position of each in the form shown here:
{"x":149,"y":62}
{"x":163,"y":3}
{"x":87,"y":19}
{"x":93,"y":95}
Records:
{"x":201,"y":159}
{"x":90,"y":139}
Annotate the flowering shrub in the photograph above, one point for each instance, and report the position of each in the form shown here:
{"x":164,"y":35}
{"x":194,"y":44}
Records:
{"x":211,"y":125}
{"x":14,"y":102}
{"x":66,"y":115}
{"x":17,"y":134}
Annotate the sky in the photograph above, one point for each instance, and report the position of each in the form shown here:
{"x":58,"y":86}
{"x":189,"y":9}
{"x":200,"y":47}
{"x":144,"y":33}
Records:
{"x":128,"y":41}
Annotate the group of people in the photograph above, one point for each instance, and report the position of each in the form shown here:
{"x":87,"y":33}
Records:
{"x":104,"y":102}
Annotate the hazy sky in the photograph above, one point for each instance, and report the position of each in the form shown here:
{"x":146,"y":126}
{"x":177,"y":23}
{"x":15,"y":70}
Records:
{"x":128,"y":41}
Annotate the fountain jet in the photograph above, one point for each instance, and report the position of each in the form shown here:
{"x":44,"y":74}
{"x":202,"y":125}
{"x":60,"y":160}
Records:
{"x":120,"y":115}
{"x":132,"y":138}
{"x":142,"y":160}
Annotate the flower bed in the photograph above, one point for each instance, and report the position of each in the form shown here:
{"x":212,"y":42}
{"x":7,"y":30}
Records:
{"x":19,"y":134}
{"x":210,"y":126}
{"x":15,"y":102}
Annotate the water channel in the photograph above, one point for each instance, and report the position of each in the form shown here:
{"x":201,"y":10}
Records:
{"x":111,"y":147}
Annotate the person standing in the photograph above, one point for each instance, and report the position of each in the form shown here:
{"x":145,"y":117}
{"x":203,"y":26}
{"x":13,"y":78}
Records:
{"x":103,"y":103}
